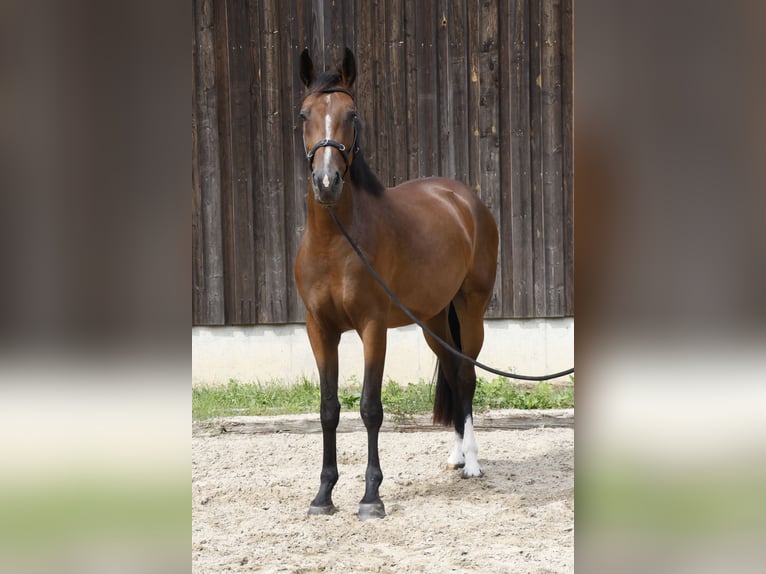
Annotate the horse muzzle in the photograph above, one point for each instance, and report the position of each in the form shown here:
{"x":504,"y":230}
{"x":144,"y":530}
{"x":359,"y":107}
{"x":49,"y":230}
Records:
{"x":328,"y":186}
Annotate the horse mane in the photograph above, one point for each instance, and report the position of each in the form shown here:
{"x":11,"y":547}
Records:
{"x":362,"y":175}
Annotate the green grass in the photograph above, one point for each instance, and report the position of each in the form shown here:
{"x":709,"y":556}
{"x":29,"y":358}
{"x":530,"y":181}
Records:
{"x":399,"y":401}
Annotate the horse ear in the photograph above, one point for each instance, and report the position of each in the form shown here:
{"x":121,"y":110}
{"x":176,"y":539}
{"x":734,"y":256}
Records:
{"x":348,"y":68}
{"x":307,"y":68}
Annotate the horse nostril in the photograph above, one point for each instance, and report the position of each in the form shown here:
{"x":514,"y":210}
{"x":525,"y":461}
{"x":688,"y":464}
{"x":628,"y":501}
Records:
{"x":337,"y":178}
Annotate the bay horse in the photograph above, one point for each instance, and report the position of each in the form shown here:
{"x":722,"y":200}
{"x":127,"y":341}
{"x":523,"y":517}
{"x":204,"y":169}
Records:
{"x":432,"y":241}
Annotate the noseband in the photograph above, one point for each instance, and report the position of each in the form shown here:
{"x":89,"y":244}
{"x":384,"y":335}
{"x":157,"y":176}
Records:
{"x":332,"y":143}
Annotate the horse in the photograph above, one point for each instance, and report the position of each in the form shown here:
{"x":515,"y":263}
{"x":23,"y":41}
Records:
{"x":431,"y":240}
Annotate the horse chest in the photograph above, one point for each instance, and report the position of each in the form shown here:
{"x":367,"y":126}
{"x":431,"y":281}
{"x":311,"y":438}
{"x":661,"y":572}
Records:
{"x":327,"y":290}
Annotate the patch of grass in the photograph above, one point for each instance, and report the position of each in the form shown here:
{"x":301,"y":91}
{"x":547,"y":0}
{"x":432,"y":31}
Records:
{"x":398,"y":401}
{"x":501,"y":393}
{"x":237,"y":398}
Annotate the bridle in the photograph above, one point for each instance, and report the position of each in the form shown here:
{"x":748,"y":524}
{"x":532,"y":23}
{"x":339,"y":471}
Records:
{"x":332,"y":143}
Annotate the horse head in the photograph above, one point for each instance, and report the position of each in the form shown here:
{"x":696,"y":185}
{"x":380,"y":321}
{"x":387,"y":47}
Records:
{"x":330,"y":125}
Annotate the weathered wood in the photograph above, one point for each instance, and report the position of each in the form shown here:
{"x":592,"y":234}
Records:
{"x":381,"y":105}
{"x":458,"y":67}
{"x":198,"y":259}
{"x":365,"y":100}
{"x":333,"y":32}
{"x":485,"y":98}
{"x":473,"y":96}
{"x":224,"y":138}
{"x":318,"y":44}
{"x":521,"y":182}
{"x":271,"y":286}
{"x":348,"y":9}
{"x":427,"y":91}
{"x":536,"y":170}
{"x":552,"y":160}
{"x":352,"y":422}
{"x":294,"y":38}
{"x":206,"y":172}
{"x":444,"y":103}
{"x":240,"y":241}
{"x":411,"y":87}
{"x":505,"y":158}
{"x":567,"y":134}
{"x":489,"y":141}
{"x":396,"y":92}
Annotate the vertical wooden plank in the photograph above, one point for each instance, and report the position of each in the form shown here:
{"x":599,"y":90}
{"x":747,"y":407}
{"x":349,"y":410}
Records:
{"x":380,"y":160}
{"x":198,"y":260}
{"x":271,"y":287}
{"x":317,"y":48}
{"x":444,"y":93}
{"x":425,"y":32}
{"x":489,"y":141}
{"x":396,"y":79}
{"x":411,"y":50}
{"x":521,"y":166}
{"x":256,"y":151}
{"x":298,"y":13}
{"x":333,"y":34}
{"x":536,"y":151}
{"x":223,"y":86}
{"x":473,"y":39}
{"x":347,"y":24}
{"x":243,"y":273}
{"x":505,"y":103}
{"x":456,"y":22}
{"x":206,"y":169}
{"x":552,"y":157}
{"x":365,"y":98}
{"x":567,"y":78}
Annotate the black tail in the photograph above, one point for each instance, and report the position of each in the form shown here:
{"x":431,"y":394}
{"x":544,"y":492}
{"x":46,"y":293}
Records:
{"x":444,"y":403}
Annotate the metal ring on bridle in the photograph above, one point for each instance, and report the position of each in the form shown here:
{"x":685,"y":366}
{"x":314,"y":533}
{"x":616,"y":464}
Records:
{"x":328,"y":143}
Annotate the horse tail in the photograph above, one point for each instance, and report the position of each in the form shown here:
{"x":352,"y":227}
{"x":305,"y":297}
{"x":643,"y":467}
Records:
{"x":444,"y":401}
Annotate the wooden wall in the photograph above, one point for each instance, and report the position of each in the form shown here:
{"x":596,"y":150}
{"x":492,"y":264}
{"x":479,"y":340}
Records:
{"x":479,"y":91}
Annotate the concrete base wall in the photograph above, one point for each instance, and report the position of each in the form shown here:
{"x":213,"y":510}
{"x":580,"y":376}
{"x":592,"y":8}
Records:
{"x":282,"y":352}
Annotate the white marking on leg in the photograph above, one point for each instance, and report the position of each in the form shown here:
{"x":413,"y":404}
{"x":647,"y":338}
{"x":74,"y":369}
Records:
{"x":470,"y":450}
{"x":456,"y":457}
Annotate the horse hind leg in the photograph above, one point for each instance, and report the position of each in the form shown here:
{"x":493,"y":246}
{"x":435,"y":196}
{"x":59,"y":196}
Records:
{"x":448,"y":400}
{"x":444,"y":411}
{"x":467,"y":317}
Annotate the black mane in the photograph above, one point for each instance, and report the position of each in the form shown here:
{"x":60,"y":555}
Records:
{"x":361,"y":174}
{"x":363,"y":177}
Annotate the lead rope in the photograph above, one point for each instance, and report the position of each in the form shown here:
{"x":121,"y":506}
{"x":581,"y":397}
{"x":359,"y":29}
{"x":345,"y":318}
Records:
{"x":441,"y":341}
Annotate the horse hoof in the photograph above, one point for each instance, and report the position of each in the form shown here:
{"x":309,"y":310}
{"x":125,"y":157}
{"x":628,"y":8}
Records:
{"x":455,"y":466}
{"x":474,"y":474}
{"x":320,"y":510}
{"x":371,"y":510}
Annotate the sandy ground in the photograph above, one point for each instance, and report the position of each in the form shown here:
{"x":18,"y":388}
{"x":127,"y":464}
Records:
{"x":250,"y":494}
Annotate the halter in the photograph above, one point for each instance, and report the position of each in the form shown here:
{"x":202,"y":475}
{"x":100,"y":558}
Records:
{"x":332,"y":143}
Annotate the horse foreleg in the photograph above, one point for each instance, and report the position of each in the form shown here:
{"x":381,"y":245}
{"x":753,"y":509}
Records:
{"x":374,"y":339}
{"x":325,"y":347}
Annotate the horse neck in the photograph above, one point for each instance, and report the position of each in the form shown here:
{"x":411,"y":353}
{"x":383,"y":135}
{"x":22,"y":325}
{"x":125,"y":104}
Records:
{"x":320,"y":223}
